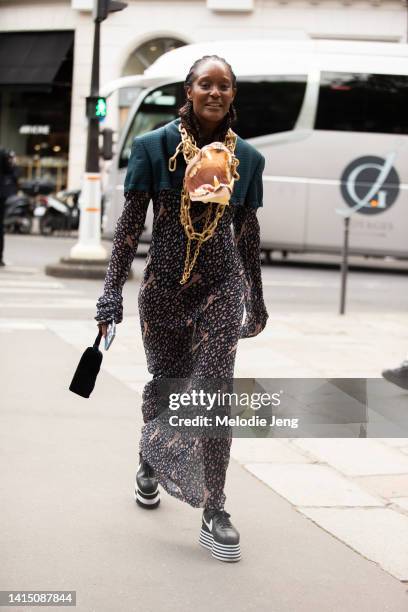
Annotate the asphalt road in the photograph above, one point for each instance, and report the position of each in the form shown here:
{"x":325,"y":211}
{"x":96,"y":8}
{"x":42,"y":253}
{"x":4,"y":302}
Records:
{"x":288,"y":287}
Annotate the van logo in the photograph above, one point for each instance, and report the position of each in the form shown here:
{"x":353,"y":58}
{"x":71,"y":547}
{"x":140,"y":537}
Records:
{"x":370,"y":185}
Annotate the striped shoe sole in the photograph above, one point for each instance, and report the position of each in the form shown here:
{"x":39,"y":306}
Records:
{"x":223,"y":552}
{"x":147,"y":500}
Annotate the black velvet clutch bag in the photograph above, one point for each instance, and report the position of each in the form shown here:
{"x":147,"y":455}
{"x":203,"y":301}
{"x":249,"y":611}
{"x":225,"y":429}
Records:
{"x":89,"y":365}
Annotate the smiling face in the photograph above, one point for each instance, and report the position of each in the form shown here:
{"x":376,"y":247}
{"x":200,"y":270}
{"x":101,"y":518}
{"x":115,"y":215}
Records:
{"x":211,"y":93}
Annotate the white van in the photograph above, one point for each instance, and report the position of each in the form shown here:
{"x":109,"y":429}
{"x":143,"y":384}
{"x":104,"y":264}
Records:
{"x":331,"y":119}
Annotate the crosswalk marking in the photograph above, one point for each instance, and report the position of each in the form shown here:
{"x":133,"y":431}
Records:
{"x":324,"y":284}
{"x":37,"y":291}
{"x":9,"y":269}
{"x":29,"y":289}
{"x":21,"y":325}
{"x":30,"y":283}
{"x":74,"y":303}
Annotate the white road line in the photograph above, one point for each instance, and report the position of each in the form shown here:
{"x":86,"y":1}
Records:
{"x":20,"y":325}
{"x":316,"y":284}
{"x":52,"y":294}
{"x":9,"y":269}
{"x":30,"y":283}
{"x":75,"y":303}
{"x":37,"y":291}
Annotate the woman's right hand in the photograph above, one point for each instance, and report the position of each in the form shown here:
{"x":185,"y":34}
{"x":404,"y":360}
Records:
{"x":103,"y":327}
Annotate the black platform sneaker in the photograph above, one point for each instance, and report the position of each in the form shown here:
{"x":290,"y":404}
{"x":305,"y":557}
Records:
{"x":219,"y":535}
{"x":398,"y":376}
{"x":147,"y":492}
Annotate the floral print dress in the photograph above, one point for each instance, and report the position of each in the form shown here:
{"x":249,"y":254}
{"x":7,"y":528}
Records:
{"x":189,"y":330}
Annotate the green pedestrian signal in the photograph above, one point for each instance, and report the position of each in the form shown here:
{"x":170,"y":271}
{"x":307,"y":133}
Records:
{"x":96,"y":107}
{"x":100,"y":110}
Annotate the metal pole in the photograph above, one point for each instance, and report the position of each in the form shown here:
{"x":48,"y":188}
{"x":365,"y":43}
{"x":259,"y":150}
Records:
{"x":406,"y":2}
{"x":92,"y":151}
{"x":344,"y":265}
{"x":89,"y":246}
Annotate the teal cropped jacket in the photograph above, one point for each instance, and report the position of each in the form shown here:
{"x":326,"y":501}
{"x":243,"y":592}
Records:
{"x":148,"y":166}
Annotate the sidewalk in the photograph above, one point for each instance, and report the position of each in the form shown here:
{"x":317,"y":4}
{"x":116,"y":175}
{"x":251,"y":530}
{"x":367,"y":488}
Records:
{"x":70,"y":521}
{"x":356,"y":489}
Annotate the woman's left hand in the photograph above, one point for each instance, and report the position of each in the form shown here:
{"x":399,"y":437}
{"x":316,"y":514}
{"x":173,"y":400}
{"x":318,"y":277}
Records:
{"x":254,"y":324}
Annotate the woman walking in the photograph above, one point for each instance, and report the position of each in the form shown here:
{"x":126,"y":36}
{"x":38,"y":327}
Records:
{"x":197,"y":279}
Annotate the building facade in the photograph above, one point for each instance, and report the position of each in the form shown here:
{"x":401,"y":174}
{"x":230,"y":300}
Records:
{"x":46,"y":54}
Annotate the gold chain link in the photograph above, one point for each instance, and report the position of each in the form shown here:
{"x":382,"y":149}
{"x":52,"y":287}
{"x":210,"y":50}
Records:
{"x":189,"y":147}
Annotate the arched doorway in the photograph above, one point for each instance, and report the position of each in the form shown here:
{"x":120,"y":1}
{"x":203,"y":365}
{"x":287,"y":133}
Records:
{"x":140,"y":59}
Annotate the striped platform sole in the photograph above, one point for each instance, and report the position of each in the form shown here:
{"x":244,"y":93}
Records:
{"x":147,"y":500}
{"x":222,"y":552}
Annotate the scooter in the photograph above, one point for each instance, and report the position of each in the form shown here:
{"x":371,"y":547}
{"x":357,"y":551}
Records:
{"x":19,"y":209}
{"x":18,"y":214}
{"x":60,"y":213}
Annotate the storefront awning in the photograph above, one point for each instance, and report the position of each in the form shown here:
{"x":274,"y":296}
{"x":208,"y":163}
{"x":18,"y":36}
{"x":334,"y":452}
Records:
{"x":32,"y":58}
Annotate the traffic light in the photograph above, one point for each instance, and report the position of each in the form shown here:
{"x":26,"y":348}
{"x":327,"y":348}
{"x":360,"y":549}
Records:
{"x":96,"y":107}
{"x":107,"y":143}
{"x":103,"y":7}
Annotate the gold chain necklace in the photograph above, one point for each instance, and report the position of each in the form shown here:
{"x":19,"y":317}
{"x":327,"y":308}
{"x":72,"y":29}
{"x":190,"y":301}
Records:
{"x":190,"y":149}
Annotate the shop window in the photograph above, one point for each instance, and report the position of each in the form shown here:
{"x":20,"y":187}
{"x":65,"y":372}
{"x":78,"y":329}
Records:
{"x":35,"y":117}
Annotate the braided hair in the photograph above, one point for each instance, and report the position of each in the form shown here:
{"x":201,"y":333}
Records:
{"x":186,"y":112}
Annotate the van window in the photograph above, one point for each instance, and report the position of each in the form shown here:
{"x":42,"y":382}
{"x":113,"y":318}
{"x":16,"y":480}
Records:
{"x":158,"y":108}
{"x":269,"y":106}
{"x":363,"y":103}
